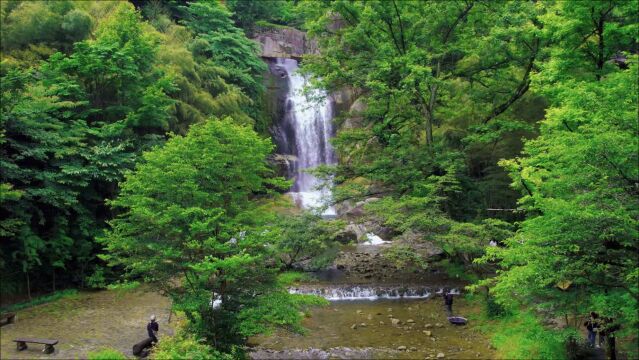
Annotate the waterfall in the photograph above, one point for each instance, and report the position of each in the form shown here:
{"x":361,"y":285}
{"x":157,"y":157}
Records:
{"x":357,"y":292}
{"x":309,"y":117}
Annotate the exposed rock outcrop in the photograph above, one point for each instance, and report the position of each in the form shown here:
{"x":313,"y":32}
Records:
{"x":283,"y":163}
{"x":415,"y":240}
{"x":284,"y":42}
{"x":356,"y":115}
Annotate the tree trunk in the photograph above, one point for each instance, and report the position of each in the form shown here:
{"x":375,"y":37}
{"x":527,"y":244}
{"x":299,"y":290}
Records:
{"x":600,"y":52}
{"x":28,"y":285}
{"x":611,"y":351}
{"x":53,"y":279}
{"x":430,"y":118}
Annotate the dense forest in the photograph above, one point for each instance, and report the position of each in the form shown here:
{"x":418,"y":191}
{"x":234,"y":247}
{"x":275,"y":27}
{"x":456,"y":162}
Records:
{"x":137,"y":146}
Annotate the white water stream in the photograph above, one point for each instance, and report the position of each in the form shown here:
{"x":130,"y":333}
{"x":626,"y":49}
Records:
{"x":363,"y":292}
{"x":310,"y":116}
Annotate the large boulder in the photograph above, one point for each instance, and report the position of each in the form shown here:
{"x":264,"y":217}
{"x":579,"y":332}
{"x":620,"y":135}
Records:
{"x":417,"y":241}
{"x":358,"y":231}
{"x":140,"y":348}
{"x":343,"y":98}
{"x":347,"y":235}
{"x":352,"y":209}
{"x":355,"y":117}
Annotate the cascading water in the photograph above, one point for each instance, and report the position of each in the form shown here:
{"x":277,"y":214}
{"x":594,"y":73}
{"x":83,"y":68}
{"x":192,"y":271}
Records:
{"x":309,"y":120}
{"x":357,"y":292}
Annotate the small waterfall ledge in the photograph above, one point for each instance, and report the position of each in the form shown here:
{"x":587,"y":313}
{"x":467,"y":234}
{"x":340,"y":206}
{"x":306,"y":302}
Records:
{"x":356,"y":292}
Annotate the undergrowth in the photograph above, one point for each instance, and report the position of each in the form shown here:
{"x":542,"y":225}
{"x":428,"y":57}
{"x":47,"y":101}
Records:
{"x":518,"y":334}
{"x":291,"y":277}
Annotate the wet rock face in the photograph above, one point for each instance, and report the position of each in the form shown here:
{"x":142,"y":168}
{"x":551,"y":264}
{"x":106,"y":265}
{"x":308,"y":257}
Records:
{"x":354,"y":210}
{"x":284,"y":42}
{"x":283,"y":163}
{"x":347,"y":235}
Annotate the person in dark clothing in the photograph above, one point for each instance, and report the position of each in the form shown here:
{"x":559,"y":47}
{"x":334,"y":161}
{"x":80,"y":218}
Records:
{"x":152,"y":329}
{"x":448,"y":301}
{"x":592,"y":325}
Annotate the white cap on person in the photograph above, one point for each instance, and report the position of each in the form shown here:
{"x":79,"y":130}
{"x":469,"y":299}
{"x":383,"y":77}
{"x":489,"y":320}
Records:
{"x":152,"y":317}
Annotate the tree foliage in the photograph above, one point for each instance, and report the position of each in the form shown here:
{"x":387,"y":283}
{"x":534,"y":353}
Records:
{"x":577,"y":248}
{"x":441,"y":84}
{"x":86,"y":87}
{"x":189,"y":222}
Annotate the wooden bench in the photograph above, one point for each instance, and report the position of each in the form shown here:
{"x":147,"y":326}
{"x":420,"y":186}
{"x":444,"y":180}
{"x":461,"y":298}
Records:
{"x":7,"y":318}
{"x":48,"y":344}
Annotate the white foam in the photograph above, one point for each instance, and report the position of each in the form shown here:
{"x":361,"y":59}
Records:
{"x":351,"y":293}
{"x":375,"y":240}
{"x":313,"y":200}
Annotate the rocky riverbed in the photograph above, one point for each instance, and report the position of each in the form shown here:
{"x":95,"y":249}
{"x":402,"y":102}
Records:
{"x":399,"y":329}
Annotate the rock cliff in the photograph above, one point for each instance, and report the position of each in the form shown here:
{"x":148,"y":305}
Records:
{"x":284,"y":42}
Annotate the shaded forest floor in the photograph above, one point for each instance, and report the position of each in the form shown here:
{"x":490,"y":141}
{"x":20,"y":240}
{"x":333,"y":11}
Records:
{"x":87,"y":322}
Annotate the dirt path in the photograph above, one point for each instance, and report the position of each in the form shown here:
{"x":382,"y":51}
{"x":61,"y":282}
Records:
{"x":86,"y":322}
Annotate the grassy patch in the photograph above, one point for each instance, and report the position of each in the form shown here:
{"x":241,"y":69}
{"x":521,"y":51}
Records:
{"x":120,"y":288}
{"x":520,"y":335}
{"x":291,"y":277}
{"x":106,"y":354}
{"x":69,"y":293}
{"x":268,"y":25}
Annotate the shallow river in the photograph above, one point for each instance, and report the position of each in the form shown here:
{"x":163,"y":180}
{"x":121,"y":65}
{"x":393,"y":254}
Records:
{"x":366,"y":329}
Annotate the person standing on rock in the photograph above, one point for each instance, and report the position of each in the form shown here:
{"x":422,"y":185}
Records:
{"x":152,"y":329}
{"x":448,"y":302}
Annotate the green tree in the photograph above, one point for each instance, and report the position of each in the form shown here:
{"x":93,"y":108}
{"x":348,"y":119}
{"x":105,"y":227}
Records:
{"x":439,"y":83}
{"x":218,"y":39}
{"x":203,"y":90}
{"x":189,"y":221}
{"x":33,"y":30}
{"x":248,"y":14}
{"x":577,"y":249}
{"x":42,"y":169}
{"x":307,"y":237}
{"x":116,"y":72}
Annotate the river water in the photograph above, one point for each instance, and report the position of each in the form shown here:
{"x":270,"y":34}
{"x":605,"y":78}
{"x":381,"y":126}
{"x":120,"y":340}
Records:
{"x":380,"y":329}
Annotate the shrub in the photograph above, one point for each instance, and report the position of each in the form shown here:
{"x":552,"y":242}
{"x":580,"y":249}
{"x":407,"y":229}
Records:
{"x":186,"y":346}
{"x":521,"y":336}
{"x":495,"y":309}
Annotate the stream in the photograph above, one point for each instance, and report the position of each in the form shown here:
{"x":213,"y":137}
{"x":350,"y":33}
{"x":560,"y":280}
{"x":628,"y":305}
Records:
{"x":375,"y":327}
